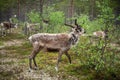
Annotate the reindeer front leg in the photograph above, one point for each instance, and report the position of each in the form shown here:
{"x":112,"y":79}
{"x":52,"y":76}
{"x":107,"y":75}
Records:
{"x":36,"y":49}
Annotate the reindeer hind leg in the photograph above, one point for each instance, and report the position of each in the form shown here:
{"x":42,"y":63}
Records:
{"x":68,"y":56}
{"x":59,"y":59}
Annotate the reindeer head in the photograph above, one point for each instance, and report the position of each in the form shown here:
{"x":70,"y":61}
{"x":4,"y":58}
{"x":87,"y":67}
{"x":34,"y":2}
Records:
{"x":76,"y":28}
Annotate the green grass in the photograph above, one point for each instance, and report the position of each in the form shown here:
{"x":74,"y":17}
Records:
{"x":25,"y":49}
{"x":1,"y":43}
{"x":12,"y":36}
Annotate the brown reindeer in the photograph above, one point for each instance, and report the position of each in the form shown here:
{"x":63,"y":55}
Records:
{"x":100,"y":34}
{"x":7,"y":26}
{"x":61,"y":42}
{"x":31,"y":27}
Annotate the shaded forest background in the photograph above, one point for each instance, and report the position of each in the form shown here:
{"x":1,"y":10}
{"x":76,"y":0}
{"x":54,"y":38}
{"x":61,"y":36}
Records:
{"x":71,"y":8}
{"x":88,"y":12}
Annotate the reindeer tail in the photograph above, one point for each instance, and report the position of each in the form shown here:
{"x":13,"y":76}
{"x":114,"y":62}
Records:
{"x":30,"y":39}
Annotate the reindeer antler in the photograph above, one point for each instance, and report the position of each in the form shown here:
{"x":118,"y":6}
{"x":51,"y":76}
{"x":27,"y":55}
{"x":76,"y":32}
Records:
{"x":69,"y":25}
{"x":76,"y":22}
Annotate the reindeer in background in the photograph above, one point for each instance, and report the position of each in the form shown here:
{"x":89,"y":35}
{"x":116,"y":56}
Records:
{"x":33,"y":27}
{"x":61,"y":42}
{"x":7,"y":27}
{"x":97,"y":36}
{"x":100,"y":34}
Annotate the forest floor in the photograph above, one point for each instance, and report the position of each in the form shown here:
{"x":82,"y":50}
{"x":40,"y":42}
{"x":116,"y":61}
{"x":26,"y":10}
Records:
{"x":15,"y":50}
{"x":14,"y":54}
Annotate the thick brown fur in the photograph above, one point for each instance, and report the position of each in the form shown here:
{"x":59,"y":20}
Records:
{"x":61,"y":42}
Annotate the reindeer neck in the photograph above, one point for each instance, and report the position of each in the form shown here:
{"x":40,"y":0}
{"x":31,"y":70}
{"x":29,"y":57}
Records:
{"x":74,"y":38}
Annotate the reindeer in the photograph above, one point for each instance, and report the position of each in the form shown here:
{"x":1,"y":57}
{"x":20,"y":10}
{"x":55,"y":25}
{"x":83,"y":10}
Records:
{"x":31,"y":27}
{"x":97,"y":36}
{"x":5,"y":26}
{"x":100,"y":34}
{"x":61,"y":42}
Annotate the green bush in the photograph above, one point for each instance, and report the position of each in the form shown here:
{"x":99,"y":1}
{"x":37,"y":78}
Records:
{"x":91,"y":56}
{"x":90,"y":26}
{"x":56,"y":21}
{"x":34,"y":16}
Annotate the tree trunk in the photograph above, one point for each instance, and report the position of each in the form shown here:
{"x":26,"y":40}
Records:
{"x":41,"y":12}
{"x":92,"y":11}
{"x":18,"y":9}
{"x":71,"y":10}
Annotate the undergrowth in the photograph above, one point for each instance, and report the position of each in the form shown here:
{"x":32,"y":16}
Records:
{"x":12,"y":36}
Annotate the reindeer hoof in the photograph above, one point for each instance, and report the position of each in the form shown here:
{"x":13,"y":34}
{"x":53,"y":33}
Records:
{"x":30,"y":70}
{"x":36,"y":68}
{"x":56,"y":68}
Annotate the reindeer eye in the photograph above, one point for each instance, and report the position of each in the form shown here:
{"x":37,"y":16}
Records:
{"x":80,"y":29}
{"x":77,"y":30}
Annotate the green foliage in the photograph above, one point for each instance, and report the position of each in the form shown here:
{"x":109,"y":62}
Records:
{"x":106,"y":12}
{"x":1,"y":43}
{"x":91,"y":56}
{"x":95,"y":25}
{"x":90,"y":26}
{"x":5,"y":4}
{"x":56,"y":21}
{"x":57,"y":18}
{"x":12,"y":36}
{"x":47,"y":11}
{"x":34,"y":16}
{"x":83,"y":20}
{"x":97,"y":56}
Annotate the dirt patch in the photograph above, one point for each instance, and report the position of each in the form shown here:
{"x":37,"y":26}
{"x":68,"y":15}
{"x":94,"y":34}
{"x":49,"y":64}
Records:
{"x":13,"y":43}
{"x":37,"y":75}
